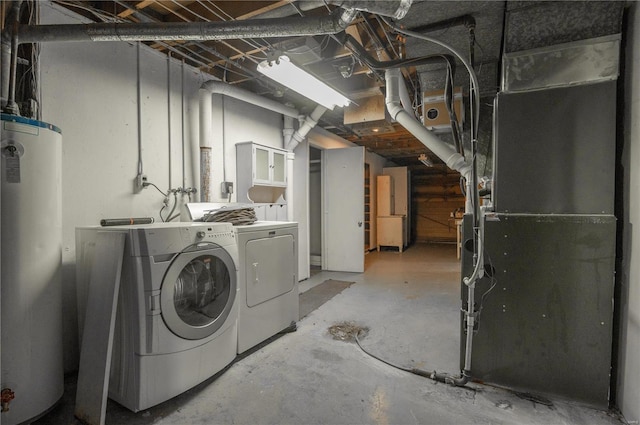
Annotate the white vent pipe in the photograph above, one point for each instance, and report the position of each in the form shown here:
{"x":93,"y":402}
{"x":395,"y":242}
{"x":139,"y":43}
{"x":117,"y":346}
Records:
{"x":456,"y":162}
{"x":442,"y":150}
{"x":208,"y":89}
{"x":306,"y":125}
{"x":291,"y":138}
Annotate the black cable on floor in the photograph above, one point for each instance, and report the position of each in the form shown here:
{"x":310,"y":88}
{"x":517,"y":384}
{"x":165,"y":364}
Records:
{"x":425,"y":374}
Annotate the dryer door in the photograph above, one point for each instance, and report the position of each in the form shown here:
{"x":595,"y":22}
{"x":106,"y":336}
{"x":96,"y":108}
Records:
{"x":198,"y":291}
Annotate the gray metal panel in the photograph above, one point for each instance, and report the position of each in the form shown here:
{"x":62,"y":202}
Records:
{"x":579,"y":62}
{"x":555,"y":150}
{"x":546,"y":327}
{"x":97,"y":341}
{"x":530,"y":24}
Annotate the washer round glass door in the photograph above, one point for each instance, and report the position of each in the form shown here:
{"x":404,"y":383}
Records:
{"x":198,"y":291}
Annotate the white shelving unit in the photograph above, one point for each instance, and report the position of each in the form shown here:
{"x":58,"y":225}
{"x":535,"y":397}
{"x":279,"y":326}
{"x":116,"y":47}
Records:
{"x":261,"y":173}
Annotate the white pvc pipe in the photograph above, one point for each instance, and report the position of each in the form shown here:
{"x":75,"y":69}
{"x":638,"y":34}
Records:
{"x":287,"y":130}
{"x":207,"y":90}
{"x":205,"y":118}
{"x":219,"y":87}
{"x":289,"y":190}
{"x":442,"y":150}
{"x":308,"y":123}
{"x":291,"y":139}
{"x":405,"y":99}
{"x":205,"y":146}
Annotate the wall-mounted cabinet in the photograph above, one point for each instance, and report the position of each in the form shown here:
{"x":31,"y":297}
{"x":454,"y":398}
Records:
{"x":261,"y":172}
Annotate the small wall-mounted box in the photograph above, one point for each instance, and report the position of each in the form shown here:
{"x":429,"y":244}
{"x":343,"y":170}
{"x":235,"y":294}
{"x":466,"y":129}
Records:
{"x":434,"y":110}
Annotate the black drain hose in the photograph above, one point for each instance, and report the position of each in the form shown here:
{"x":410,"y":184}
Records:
{"x":435,"y":376}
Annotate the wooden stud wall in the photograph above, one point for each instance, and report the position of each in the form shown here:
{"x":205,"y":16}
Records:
{"x":434,"y":200}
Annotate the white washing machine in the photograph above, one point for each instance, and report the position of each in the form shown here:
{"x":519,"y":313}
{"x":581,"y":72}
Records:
{"x":268,"y":280}
{"x":176,"y":322}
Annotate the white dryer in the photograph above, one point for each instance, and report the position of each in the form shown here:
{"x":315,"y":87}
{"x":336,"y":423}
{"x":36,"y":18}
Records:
{"x":176,"y":322}
{"x":268,"y":280}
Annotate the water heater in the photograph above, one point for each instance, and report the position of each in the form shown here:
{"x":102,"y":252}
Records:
{"x":31,"y":237}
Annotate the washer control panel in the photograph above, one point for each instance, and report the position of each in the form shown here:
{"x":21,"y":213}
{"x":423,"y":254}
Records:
{"x":219,"y":233}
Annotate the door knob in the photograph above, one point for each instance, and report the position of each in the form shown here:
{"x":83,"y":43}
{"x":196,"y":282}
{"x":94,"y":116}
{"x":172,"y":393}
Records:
{"x":359,"y":224}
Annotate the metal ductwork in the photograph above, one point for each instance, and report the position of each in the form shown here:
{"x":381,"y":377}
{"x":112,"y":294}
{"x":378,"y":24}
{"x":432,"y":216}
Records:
{"x":203,"y":31}
{"x":396,"y":9}
{"x":185,"y":31}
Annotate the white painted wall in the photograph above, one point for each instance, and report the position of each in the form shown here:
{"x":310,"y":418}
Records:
{"x":301,"y":206}
{"x":89,"y":91}
{"x":235,"y":121}
{"x":629,"y":364}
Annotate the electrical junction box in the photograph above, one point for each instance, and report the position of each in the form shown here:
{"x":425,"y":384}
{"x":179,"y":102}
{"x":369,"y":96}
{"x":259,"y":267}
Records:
{"x":434,"y":111}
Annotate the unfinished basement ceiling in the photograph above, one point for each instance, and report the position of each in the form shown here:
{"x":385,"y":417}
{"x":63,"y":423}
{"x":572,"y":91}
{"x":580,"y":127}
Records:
{"x":499,"y":26}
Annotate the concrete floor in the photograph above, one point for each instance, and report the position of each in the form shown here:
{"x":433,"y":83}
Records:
{"x":410,"y":302}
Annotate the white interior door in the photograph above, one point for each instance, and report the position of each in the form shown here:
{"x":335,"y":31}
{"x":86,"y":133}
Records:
{"x":343,"y":201}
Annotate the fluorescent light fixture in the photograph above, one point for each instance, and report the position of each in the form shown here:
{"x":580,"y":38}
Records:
{"x":299,"y":80}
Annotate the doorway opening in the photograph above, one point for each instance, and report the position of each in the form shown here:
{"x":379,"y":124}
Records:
{"x":315,"y":208}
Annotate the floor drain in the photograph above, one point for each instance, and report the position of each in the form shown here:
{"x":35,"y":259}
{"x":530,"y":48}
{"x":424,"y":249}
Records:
{"x":347,"y":331}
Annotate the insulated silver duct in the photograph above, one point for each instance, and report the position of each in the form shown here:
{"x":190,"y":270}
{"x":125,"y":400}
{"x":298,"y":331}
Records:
{"x":392,"y":8}
{"x":222,"y":30}
{"x":186,"y":31}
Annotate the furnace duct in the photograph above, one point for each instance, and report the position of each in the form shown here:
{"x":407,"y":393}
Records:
{"x":201,"y":31}
{"x":221,"y":30}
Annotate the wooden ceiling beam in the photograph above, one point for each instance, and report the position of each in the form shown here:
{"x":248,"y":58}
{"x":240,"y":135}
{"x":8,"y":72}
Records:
{"x":139,"y":6}
{"x":263,"y":9}
{"x":184,"y":18}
